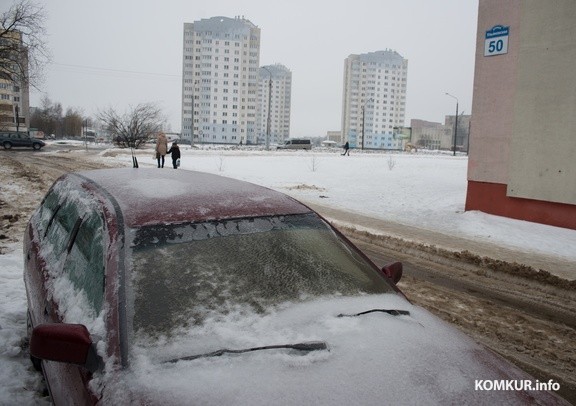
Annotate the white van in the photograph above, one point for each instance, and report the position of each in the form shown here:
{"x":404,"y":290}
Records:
{"x":296,"y":144}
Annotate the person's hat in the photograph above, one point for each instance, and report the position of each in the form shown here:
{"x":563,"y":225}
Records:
{"x":175,"y":142}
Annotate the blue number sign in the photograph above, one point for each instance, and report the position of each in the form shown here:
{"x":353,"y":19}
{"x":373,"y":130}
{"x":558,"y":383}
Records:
{"x":496,"y":42}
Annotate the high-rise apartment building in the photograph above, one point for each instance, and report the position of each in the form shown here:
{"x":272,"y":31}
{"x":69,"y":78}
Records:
{"x":14,"y":90}
{"x":274,"y":96}
{"x":374,"y":99}
{"x":220,"y":80}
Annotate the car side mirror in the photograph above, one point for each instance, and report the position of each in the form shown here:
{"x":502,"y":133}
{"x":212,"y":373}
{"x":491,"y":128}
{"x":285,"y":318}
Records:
{"x":393,"y":271}
{"x":69,"y":343}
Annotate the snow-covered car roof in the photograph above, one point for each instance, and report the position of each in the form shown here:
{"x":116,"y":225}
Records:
{"x":145,"y":195}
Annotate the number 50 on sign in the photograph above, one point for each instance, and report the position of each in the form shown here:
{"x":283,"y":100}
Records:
{"x":496,"y":42}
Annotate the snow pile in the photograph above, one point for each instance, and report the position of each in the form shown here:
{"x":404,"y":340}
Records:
{"x":20,"y":383}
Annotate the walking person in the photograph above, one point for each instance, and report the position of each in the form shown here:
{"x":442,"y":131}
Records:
{"x":346,"y":149}
{"x":175,"y":152}
{"x":161,"y":149}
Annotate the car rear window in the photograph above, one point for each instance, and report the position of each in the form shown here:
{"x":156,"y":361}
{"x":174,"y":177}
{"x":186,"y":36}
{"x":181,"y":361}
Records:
{"x":183,"y":274}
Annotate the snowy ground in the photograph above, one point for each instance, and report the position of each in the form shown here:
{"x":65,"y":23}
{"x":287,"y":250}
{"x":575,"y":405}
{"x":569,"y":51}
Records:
{"x":422,"y":190}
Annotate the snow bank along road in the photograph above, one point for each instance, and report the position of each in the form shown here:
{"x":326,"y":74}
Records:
{"x":527,"y":316}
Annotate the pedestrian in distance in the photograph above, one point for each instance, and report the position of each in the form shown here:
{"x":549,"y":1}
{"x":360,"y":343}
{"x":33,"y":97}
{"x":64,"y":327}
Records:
{"x":346,"y":149}
{"x":161,"y":149}
{"x":175,"y":153}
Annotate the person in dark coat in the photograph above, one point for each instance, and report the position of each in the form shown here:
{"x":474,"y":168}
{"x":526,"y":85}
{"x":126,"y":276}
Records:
{"x":346,"y":149}
{"x":175,"y":152}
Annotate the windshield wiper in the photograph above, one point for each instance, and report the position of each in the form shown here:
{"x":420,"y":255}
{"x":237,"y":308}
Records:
{"x":392,"y":312}
{"x":307,"y":346}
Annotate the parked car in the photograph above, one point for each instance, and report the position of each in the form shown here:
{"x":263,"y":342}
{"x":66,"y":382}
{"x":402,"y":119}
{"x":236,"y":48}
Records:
{"x":19,"y":139}
{"x":147,"y":286}
{"x":296,"y":144}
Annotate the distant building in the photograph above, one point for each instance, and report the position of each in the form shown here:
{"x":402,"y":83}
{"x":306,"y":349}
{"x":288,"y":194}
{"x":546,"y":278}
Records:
{"x":462,"y":132}
{"x":14,"y":95}
{"x":221,"y":57}
{"x":281,"y":94}
{"x":171,"y":137}
{"x":430,"y":135}
{"x":334,"y":136}
{"x":374,"y":99}
{"x":522,"y":137}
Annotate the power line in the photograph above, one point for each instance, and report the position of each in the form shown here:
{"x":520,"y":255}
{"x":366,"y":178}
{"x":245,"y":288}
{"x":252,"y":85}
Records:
{"x":114,"y":70}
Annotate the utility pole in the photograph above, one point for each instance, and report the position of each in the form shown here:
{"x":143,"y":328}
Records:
{"x":17,"y":111}
{"x":455,"y":124}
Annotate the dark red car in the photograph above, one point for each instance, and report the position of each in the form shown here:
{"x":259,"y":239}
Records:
{"x":148,"y":286}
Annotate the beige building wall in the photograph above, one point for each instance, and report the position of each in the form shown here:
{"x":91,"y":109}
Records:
{"x":522,"y":155}
{"x":543,"y":145}
{"x":494,"y":91}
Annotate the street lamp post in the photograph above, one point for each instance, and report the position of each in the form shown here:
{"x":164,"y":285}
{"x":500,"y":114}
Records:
{"x":363,"y":119}
{"x":269,"y":107}
{"x":455,"y":124}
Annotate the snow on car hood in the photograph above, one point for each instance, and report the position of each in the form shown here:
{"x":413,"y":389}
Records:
{"x":374,"y":358}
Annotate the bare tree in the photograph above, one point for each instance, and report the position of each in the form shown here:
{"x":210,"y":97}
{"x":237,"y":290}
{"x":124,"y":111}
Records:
{"x":72,"y":122}
{"x":23,"y":51}
{"x":221,"y":162}
{"x":135,"y":127}
{"x":48,"y":118}
{"x":313,"y":163}
{"x":391,"y":162}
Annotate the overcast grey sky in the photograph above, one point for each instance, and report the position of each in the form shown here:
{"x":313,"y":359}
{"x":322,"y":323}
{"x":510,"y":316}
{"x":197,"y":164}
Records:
{"x":118,"y":53}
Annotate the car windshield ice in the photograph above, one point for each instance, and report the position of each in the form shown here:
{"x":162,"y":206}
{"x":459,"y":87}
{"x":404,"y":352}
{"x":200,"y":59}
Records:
{"x":183,"y":274}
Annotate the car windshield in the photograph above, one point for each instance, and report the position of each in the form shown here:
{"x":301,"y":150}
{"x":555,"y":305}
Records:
{"x":183,"y":274}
